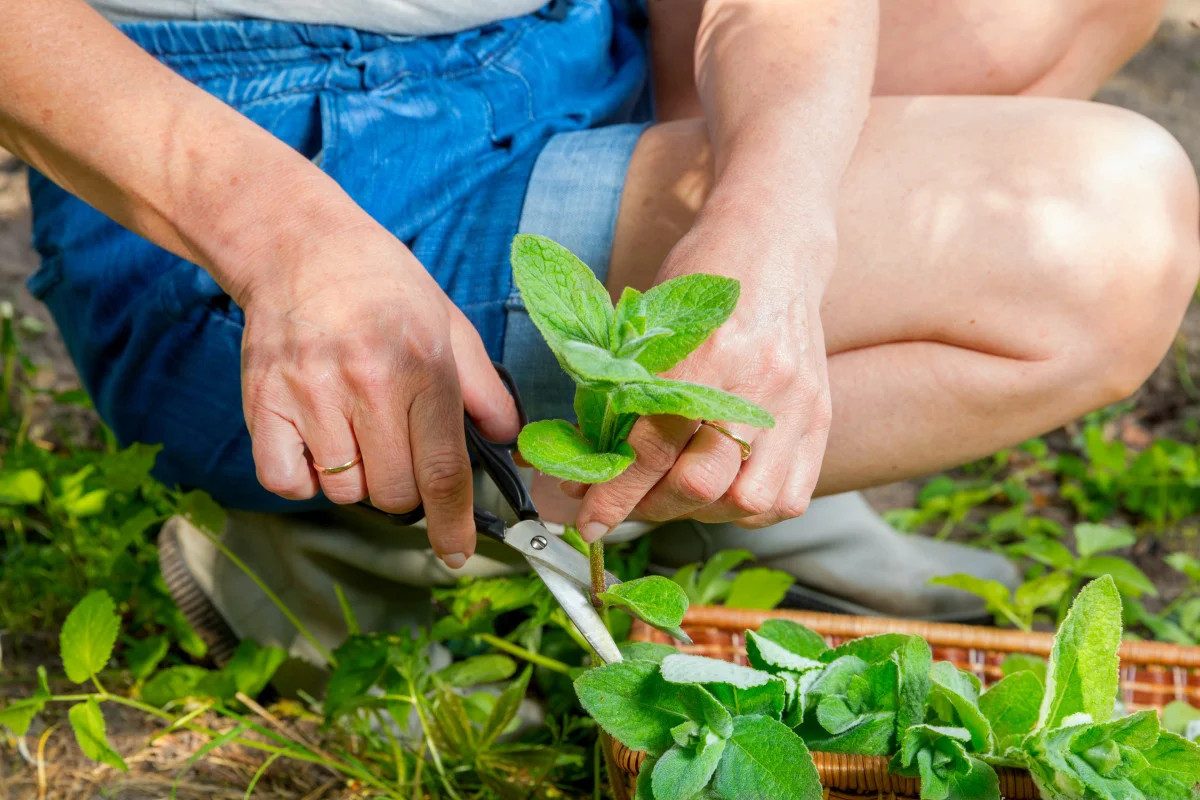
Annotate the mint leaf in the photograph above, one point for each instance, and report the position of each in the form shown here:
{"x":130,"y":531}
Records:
{"x":174,"y":683}
{"x":143,"y":657}
{"x":1174,"y":769}
{"x":562,"y":296}
{"x":711,"y":584}
{"x":759,"y":587}
{"x":632,"y":702}
{"x":17,"y":716}
{"x":1130,"y":580}
{"x":681,"y":773}
{"x":740,"y":689}
{"x":506,"y":708}
{"x":1018,"y":662}
{"x":954,"y":697}
{"x":252,"y":666}
{"x":1011,"y":707}
{"x":646,"y":651}
{"x":765,"y":760}
{"x":557,"y":448}
{"x":655,"y":600}
{"x":1091,"y":539}
{"x":794,"y":637}
{"x":691,"y":400}
{"x":995,"y":595}
{"x":598,"y":368}
{"x":1083,"y":672}
{"x":1041,"y":592}
{"x":767,"y":656}
{"x":88,"y":724}
{"x":938,"y":755}
{"x":856,"y":705}
{"x":487,"y":668}
{"x":88,"y":635}
{"x":870,"y":649}
{"x":590,"y":405}
{"x":691,"y":307}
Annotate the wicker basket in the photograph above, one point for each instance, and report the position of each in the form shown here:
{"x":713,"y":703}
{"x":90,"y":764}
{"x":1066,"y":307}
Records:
{"x":1152,"y":675}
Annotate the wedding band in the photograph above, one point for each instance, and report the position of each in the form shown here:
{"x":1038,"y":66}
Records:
{"x":341,"y":468}
{"x":742,"y":443}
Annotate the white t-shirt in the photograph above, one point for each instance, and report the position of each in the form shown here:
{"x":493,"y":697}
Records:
{"x":413,"y":17}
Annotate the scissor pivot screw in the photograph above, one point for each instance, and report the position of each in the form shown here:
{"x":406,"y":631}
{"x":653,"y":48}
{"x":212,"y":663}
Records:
{"x":538,"y":543}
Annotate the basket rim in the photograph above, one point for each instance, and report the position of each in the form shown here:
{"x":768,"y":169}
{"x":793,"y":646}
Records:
{"x":938,"y":634}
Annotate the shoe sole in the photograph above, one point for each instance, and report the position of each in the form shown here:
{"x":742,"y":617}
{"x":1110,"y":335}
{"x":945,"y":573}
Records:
{"x":192,"y":600}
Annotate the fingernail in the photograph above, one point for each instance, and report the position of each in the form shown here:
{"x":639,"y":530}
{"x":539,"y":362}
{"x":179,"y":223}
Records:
{"x":455,"y":560}
{"x":592,"y":531}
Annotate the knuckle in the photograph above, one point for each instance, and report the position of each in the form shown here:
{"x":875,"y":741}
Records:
{"x":286,"y":485}
{"x":700,"y":483}
{"x":444,"y":476}
{"x":344,"y":494}
{"x":654,"y":456}
{"x":750,"y":500}
{"x":791,"y":507}
{"x":395,"y":500}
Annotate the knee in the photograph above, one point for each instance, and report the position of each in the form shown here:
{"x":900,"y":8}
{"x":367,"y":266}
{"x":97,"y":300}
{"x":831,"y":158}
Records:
{"x":1135,"y":258}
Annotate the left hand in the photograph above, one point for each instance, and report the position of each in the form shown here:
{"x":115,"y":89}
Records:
{"x":771,"y":351}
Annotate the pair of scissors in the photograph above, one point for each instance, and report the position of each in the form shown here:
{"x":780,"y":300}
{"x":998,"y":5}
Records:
{"x":565,"y":571}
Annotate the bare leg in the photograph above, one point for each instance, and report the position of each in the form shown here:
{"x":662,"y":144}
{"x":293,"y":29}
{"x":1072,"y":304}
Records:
{"x":1007,"y":264}
{"x":1061,"y":48}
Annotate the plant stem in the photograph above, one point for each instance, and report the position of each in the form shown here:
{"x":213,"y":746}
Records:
{"x":522,"y":653}
{"x":597,"y":563}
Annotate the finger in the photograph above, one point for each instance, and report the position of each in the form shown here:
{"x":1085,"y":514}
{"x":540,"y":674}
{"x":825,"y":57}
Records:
{"x":279,"y":459}
{"x":574,"y":489}
{"x":795,"y":493}
{"x":331,"y":443}
{"x":658,"y":441}
{"x":442,"y":469}
{"x":484,"y":394}
{"x":704,"y":471}
{"x":380,"y":421}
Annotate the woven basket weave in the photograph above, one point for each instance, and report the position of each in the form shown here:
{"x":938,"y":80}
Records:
{"x":1152,"y":675}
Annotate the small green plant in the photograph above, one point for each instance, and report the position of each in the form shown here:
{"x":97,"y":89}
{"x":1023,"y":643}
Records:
{"x":1058,"y":575}
{"x":756,"y":587}
{"x":614,"y":356}
{"x":715,"y":729}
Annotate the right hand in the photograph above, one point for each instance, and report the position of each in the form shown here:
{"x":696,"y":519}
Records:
{"x":354,"y":348}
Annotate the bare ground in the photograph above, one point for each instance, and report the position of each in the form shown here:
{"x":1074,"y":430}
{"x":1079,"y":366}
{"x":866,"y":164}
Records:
{"x":1163,"y":82}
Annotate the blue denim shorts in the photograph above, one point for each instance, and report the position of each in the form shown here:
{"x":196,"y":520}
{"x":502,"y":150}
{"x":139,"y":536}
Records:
{"x":454,"y":143}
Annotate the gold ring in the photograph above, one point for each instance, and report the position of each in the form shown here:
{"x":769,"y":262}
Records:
{"x":341,"y":468}
{"x":742,"y":443}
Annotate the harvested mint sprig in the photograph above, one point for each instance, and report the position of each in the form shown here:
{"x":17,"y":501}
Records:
{"x":614,"y":356}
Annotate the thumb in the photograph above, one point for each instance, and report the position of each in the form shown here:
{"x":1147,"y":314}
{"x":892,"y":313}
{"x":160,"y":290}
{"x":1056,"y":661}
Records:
{"x":485,"y":396}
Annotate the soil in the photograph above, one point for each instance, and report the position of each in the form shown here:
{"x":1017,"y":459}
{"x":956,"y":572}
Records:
{"x":1162,"y":82}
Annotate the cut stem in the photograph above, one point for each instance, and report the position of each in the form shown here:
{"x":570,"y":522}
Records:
{"x":596,"y":552}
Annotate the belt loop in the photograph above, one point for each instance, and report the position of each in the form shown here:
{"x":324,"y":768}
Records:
{"x":555,"y":10}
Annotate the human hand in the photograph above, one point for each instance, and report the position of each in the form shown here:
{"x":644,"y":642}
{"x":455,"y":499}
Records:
{"x":771,"y":351}
{"x":352,"y":348}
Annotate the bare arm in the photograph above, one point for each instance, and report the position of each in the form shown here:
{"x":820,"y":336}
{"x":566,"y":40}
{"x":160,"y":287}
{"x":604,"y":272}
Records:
{"x":349,"y":345}
{"x":785,"y":86}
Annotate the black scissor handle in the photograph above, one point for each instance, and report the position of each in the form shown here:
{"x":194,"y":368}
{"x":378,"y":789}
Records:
{"x":496,"y":459}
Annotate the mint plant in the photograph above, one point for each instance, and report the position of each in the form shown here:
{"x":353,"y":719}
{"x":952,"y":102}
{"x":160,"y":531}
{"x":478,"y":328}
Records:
{"x":715,"y":729}
{"x":614,"y":355}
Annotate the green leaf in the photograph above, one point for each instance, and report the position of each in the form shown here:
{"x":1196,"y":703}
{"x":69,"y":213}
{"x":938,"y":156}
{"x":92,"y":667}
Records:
{"x":1130,"y":580}
{"x":172,"y":684}
{"x":768,"y":656}
{"x":1186,"y":564}
{"x":1045,"y":551}
{"x":629,"y":315}
{"x":487,"y":668}
{"x":994,"y":593}
{"x":1083,"y":673}
{"x":646,"y":651}
{"x":1011,"y":707}
{"x":202,"y":511}
{"x":84,"y":505}
{"x":632,"y":702}
{"x":88,"y":724}
{"x":597,"y":367}
{"x":144,"y":657}
{"x":759,"y":588}
{"x":1047,"y":590}
{"x":1173,"y":772}
{"x":914,"y":661}
{"x":17,"y":716}
{"x":870,"y":649}
{"x":352,"y":626}
{"x":741,"y":689}
{"x":645,"y":779}
{"x":691,"y":307}
{"x":655,"y":600}
{"x":955,"y":697}
{"x":765,"y":760}
{"x":590,"y":405}
{"x":21,"y":487}
{"x":1177,"y":715}
{"x":505,"y":710}
{"x":252,"y":667}
{"x":562,"y":296}
{"x":557,"y":448}
{"x":710,"y":583}
{"x":794,"y":637}
{"x":681,"y":773}
{"x":88,"y":635}
{"x":1018,"y":662}
{"x":126,"y":470}
{"x":362,"y":662}
{"x":938,"y":756}
{"x":1091,"y":538}
{"x":690,"y":400}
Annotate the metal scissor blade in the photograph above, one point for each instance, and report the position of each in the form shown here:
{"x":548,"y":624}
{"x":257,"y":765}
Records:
{"x":576,"y":601}
{"x":540,"y":546}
